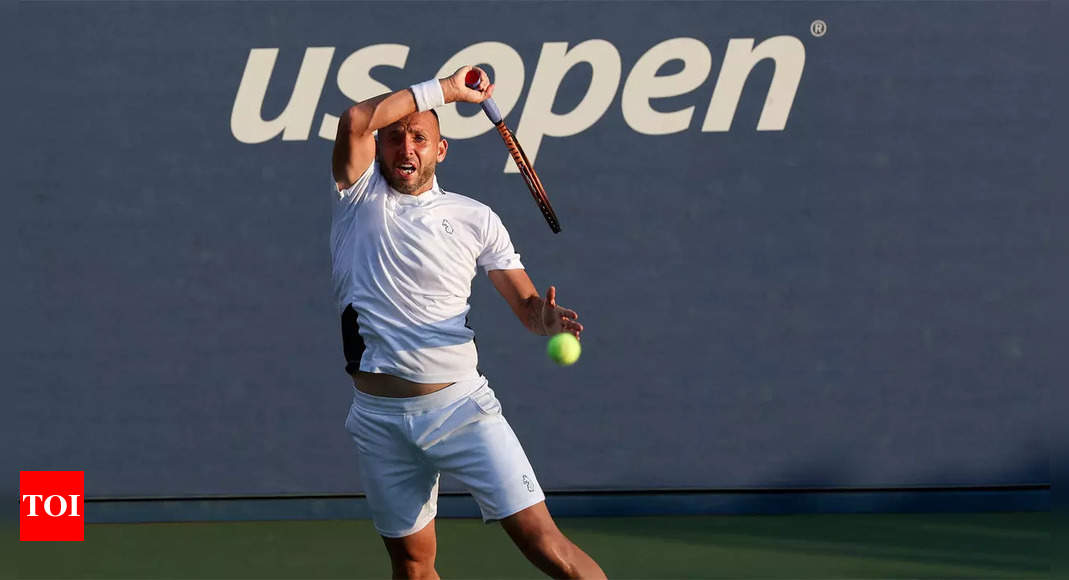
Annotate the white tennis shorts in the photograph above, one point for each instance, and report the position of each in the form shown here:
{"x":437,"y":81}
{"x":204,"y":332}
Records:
{"x":403,"y":444}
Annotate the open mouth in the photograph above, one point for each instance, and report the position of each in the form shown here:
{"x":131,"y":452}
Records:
{"x":406,"y":169}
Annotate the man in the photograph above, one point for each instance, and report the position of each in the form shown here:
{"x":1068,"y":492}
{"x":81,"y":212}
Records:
{"x":404,"y":254}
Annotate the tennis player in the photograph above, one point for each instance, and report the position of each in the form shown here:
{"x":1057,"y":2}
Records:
{"x":404,"y":254}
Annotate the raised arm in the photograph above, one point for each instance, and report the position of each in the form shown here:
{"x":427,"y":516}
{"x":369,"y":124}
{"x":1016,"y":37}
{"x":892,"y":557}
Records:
{"x":354,"y":146}
{"x":540,"y":316}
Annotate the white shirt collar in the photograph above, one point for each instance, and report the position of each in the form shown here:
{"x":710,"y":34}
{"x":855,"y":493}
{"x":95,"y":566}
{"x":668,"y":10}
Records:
{"x":421,"y":199}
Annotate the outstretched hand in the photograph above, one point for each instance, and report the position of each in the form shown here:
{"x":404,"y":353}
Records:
{"x":556,"y":319}
{"x":454,"y":88}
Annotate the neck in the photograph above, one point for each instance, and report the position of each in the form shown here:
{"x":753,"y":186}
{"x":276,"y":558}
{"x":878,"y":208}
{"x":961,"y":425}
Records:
{"x":424,"y":188}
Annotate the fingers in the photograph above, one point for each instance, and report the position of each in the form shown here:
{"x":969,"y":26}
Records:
{"x":571,"y":327}
{"x":569,"y":321}
{"x":476,"y":93}
{"x":479,"y":97}
{"x":463,"y":72}
{"x":564,"y":319}
{"x":484,"y":79}
{"x":484,"y":89}
{"x":559,"y":324}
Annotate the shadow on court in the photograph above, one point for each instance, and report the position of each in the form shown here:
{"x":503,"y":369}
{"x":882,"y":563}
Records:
{"x":824,"y":545}
{"x":1006,"y":545}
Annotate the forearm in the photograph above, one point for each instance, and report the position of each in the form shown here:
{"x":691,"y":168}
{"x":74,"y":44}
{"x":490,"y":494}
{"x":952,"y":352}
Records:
{"x":375,"y":113}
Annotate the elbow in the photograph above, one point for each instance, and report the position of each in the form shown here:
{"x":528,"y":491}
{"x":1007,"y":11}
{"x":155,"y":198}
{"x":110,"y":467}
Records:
{"x":355,"y":120}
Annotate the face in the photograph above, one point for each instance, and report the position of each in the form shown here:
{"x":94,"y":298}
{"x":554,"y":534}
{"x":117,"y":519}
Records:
{"x":409,"y":151}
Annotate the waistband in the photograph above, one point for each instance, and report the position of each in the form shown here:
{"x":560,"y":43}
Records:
{"x":404,"y":405}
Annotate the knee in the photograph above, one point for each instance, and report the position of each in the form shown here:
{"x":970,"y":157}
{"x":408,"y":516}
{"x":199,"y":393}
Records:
{"x":557,"y":551}
{"x":411,"y":568}
{"x":413,"y":562}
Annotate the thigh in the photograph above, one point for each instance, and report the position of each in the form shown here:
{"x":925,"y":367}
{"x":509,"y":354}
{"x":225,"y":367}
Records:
{"x":419,"y":547}
{"x":528,"y":526}
{"x":401,"y":486}
{"x":483,"y":453}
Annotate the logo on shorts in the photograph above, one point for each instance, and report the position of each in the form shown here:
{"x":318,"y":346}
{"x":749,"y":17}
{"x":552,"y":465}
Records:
{"x":51,"y":506}
{"x":447,"y":227}
{"x":528,"y":483}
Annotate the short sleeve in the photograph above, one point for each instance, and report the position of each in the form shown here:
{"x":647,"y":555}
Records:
{"x":356,"y":191}
{"x":498,"y":253}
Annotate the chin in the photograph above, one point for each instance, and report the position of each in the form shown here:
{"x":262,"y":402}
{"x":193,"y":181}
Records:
{"x":406,"y":187}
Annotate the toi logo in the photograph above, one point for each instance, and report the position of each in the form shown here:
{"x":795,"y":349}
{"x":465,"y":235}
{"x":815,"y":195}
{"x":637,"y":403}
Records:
{"x":51,"y":506}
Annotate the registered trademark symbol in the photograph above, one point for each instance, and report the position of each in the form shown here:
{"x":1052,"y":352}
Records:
{"x":818,"y":28}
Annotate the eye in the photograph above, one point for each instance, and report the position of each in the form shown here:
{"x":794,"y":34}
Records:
{"x":420,"y":138}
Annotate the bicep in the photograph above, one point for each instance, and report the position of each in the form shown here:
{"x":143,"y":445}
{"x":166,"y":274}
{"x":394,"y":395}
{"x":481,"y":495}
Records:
{"x":354,"y":151}
{"x":516,"y":288}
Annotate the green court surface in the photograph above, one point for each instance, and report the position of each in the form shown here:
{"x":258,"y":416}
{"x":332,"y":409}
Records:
{"x":989,"y":545}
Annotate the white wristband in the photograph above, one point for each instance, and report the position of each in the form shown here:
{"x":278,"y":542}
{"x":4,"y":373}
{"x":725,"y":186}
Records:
{"x":428,"y":95}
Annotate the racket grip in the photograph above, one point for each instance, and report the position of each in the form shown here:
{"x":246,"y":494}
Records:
{"x":491,"y":110}
{"x":489,"y":106}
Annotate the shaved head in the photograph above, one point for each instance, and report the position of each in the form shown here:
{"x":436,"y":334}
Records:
{"x":424,"y":118}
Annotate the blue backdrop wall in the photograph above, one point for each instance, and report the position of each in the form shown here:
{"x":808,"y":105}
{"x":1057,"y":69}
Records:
{"x":812,"y":243}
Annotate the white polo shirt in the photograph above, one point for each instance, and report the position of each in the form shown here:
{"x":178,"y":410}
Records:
{"x":405,"y":264}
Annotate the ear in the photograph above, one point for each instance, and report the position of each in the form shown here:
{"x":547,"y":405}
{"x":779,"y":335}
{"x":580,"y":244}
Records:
{"x":443,"y":146}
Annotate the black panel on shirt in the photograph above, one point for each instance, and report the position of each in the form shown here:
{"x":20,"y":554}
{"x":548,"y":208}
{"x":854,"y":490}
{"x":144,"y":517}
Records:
{"x":352,"y":342}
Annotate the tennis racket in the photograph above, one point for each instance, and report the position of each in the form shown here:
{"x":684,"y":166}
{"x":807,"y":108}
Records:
{"x":525,"y":167}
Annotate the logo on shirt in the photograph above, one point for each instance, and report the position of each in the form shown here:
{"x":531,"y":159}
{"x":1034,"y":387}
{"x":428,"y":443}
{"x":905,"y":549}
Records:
{"x":527,"y":482}
{"x":447,"y":227}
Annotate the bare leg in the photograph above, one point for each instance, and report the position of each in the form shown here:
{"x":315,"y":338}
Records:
{"x":413,"y":556}
{"x":546,"y":547}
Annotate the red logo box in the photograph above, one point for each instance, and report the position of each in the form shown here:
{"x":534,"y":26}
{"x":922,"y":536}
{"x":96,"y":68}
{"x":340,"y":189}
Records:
{"x":51,"y":506}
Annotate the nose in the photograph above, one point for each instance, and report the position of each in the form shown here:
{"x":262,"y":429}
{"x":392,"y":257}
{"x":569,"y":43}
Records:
{"x":409,"y":145}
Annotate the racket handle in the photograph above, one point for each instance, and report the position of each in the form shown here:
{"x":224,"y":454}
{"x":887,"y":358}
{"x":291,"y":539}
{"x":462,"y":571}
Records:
{"x":489,"y":106}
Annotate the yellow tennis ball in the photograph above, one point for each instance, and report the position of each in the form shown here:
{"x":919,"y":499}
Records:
{"x":564,"y":349}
